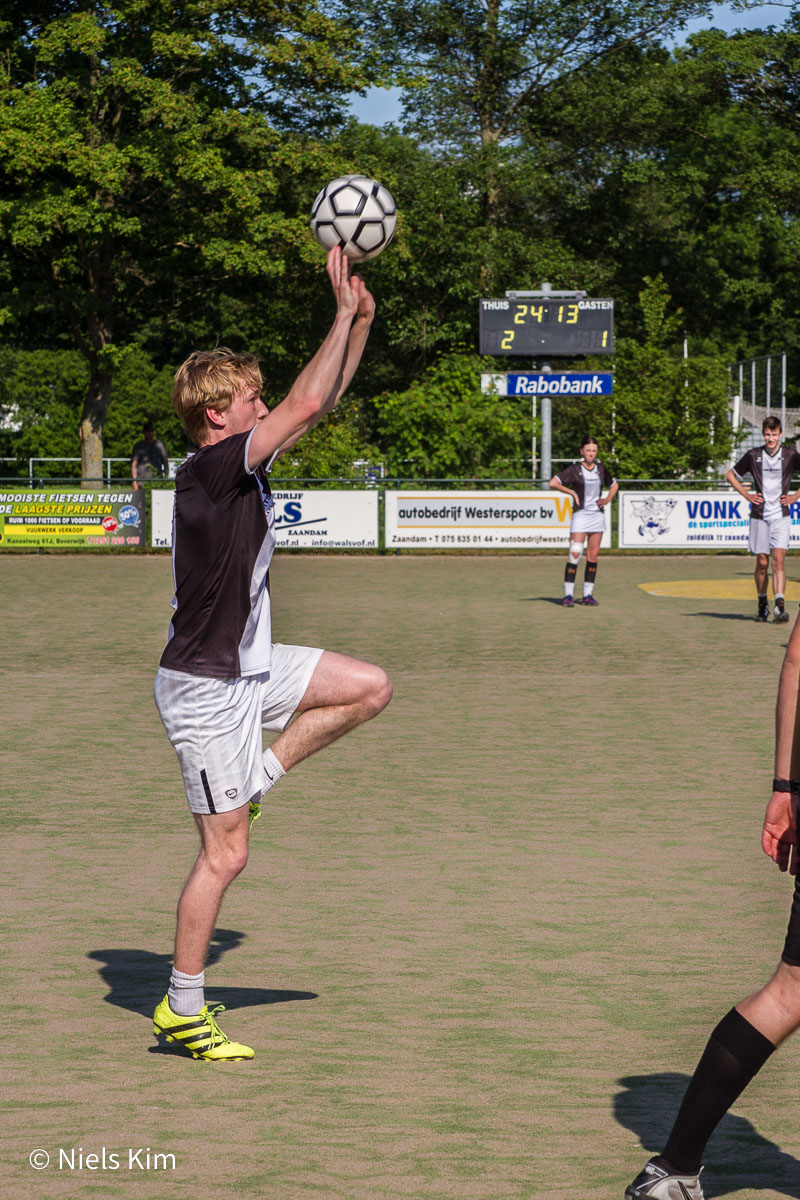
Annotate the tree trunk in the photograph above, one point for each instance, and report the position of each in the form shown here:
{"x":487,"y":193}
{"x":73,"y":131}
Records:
{"x":92,"y":421}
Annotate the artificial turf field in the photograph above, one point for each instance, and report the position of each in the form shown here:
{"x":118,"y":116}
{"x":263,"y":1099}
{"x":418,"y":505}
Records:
{"x":479,"y":944}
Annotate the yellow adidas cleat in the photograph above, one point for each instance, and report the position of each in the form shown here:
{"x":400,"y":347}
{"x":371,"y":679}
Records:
{"x":200,"y":1036}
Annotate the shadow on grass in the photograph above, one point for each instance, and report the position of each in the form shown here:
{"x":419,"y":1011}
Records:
{"x":138,"y":979}
{"x":559,"y":603}
{"x":725,"y":616}
{"x":737,"y":1157}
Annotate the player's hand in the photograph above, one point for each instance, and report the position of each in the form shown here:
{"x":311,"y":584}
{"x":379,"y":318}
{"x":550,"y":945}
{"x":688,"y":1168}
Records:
{"x":779,"y":836}
{"x":602,"y":502}
{"x":754,"y":498}
{"x":366,"y":301}
{"x":345,"y":289}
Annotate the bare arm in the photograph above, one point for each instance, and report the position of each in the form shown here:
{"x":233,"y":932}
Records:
{"x":752,"y":497}
{"x":612,"y":491}
{"x":779,"y":836}
{"x":323,"y":380}
{"x":558,"y":486}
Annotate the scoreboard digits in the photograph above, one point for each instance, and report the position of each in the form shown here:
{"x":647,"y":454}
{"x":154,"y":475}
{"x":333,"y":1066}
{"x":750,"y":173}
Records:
{"x":546,"y":327}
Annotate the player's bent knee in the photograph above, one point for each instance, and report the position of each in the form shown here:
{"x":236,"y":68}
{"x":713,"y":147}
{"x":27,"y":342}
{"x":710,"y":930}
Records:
{"x":380,"y":692}
{"x":575,"y":552}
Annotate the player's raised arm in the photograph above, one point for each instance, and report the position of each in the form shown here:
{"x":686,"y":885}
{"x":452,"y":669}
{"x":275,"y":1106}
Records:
{"x":323,"y":380}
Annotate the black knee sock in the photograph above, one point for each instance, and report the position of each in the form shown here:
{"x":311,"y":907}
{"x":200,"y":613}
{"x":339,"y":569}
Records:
{"x":571,"y":572}
{"x":591,"y":571}
{"x":736,"y":1051}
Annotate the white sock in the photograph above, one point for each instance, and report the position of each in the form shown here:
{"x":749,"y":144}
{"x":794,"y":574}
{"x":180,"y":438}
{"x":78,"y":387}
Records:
{"x":569,"y":588}
{"x":185,"y":993}
{"x":273,"y":768}
{"x":588,"y":588}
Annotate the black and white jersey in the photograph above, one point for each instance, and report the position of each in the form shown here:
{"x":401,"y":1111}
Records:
{"x":764,"y":469}
{"x":576,"y":476}
{"x":223,"y":536}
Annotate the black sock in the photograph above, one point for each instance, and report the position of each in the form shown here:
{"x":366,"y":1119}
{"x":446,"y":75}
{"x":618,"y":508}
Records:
{"x":571,"y":572}
{"x":736,"y":1051}
{"x":762,"y":601}
{"x":591,"y":571}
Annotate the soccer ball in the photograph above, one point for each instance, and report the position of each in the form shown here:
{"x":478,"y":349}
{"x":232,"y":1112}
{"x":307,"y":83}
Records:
{"x":356,"y":213}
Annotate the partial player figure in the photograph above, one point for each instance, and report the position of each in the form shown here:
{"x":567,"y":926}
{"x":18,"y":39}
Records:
{"x":747,"y":1035}
{"x":771,"y":467}
{"x":584,"y":482}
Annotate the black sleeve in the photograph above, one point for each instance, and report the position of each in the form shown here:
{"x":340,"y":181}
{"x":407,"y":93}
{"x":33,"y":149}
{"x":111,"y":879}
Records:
{"x":567,"y":476}
{"x":742,"y":467}
{"x":221,"y":469}
{"x":606,"y":477}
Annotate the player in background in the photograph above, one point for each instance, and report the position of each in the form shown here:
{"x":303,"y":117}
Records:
{"x":771,"y":467}
{"x":584,"y":481}
{"x":221,"y":679}
{"x":744,"y":1039}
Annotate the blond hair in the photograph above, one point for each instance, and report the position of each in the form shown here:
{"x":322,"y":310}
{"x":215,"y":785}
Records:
{"x":210,"y":379}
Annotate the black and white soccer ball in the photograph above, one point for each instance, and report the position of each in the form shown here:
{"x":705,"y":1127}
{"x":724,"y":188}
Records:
{"x":356,"y":213}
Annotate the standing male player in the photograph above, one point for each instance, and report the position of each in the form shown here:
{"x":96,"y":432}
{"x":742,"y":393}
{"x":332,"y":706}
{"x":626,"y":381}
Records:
{"x":771,"y":467}
{"x":744,"y":1039}
{"x":221,"y":679}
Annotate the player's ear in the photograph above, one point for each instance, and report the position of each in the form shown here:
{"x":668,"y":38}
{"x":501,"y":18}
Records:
{"x":216,"y":418}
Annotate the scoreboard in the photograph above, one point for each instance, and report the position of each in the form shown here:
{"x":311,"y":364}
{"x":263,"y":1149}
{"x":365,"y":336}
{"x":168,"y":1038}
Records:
{"x":544,"y":328}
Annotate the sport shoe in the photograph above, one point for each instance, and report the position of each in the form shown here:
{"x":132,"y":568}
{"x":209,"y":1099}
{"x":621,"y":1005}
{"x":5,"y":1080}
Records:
{"x":255,"y":813}
{"x":780,"y":614}
{"x":762,"y":614}
{"x":200,"y":1036}
{"x":568,"y":602}
{"x":660,"y":1184}
{"x":590,"y":602}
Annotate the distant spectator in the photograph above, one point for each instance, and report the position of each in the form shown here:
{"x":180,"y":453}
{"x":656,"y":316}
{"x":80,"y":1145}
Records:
{"x":149,"y":458}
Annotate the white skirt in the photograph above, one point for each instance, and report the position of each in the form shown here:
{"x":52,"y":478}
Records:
{"x":588,"y":522}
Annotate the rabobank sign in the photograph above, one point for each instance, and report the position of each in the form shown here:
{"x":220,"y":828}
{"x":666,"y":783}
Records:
{"x":561,"y":383}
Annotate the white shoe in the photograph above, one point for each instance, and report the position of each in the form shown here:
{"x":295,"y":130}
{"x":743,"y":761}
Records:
{"x":659,"y":1184}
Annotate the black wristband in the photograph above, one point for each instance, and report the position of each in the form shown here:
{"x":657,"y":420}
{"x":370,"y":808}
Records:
{"x":786,"y":785}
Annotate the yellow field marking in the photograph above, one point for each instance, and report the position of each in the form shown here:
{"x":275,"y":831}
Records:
{"x":712,"y":589}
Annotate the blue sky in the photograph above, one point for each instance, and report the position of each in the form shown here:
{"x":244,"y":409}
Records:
{"x":381,"y":105}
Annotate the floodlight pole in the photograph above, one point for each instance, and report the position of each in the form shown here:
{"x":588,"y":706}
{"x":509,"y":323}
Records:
{"x":546,"y":292}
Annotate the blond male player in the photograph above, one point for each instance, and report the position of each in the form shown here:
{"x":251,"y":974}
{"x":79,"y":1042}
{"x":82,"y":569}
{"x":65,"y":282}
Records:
{"x":221,"y":679}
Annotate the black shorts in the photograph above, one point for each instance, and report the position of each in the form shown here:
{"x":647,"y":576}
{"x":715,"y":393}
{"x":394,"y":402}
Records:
{"x":791,"y":949}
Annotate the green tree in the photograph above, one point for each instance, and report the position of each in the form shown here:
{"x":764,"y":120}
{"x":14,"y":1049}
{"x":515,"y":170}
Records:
{"x":443,"y":426}
{"x":150,"y":152}
{"x":668,"y":416}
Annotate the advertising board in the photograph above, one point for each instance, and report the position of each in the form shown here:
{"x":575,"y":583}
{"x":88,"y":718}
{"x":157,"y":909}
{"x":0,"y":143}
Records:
{"x":463,"y":520}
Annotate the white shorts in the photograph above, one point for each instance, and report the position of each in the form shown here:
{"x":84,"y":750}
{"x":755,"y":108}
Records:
{"x":769,"y":535}
{"x":588,"y":522}
{"x":215,"y":725}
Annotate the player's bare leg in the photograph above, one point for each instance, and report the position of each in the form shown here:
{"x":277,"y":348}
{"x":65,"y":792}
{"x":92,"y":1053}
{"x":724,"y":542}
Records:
{"x":779,"y":583}
{"x":760,"y":574}
{"x":576,"y":541}
{"x":590,"y":572}
{"x":343,"y":693}
{"x":223,"y":855}
{"x":774,"y":1010}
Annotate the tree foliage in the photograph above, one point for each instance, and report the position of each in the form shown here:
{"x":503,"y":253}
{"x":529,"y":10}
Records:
{"x":443,"y":425}
{"x":147,"y":152}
